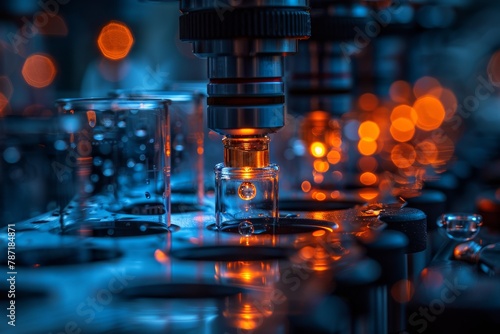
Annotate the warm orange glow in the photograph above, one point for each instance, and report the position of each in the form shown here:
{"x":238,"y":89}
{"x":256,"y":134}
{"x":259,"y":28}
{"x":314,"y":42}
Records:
{"x":368,"y":102}
{"x":318,"y":178}
{"x":3,"y":103}
{"x":368,"y":194}
{"x":306,"y":186}
{"x":402,"y":129}
{"x":91,"y":118}
{"x":367,"y":164}
{"x":446,"y":148}
{"x":160,"y":256}
{"x":320,"y":196}
{"x":56,"y":26}
{"x":448,"y":100}
{"x":319,"y":233}
{"x":199,"y":150}
{"x":403,"y":155}
{"x":306,"y":252}
{"x":494,"y":69}
{"x":245,"y":131}
{"x":404,"y":111}
{"x":368,"y":178}
{"x":369,"y":131}
{"x":318,"y":149}
{"x":424,"y":85}
{"x":39,"y":70}
{"x":333,"y":157}
{"x":115,"y":40}
{"x":427,"y":152}
{"x":432,"y":278}
{"x":367,"y":147}
{"x":430,"y":113}
{"x":335,"y":194}
{"x":402,"y":291}
{"x":321,"y":166}
{"x":400,"y":91}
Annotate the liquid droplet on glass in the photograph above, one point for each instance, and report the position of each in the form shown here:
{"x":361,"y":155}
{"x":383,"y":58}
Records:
{"x":245,"y":228}
{"x":147,"y":194}
{"x":147,"y":181}
{"x":247,"y":191}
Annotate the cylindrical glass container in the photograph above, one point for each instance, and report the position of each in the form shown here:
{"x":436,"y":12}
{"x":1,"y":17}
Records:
{"x":186,"y":111}
{"x":246,"y":193}
{"x":121,"y":157}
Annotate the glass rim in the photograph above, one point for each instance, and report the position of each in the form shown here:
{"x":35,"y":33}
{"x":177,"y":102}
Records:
{"x":459,"y":216}
{"x":172,"y":95}
{"x":112,"y":103}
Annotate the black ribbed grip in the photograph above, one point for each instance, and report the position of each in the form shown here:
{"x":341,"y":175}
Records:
{"x":412,"y":222}
{"x":245,"y":22}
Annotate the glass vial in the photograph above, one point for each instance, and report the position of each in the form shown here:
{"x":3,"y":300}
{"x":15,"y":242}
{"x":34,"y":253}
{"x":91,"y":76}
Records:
{"x":245,"y":193}
{"x":246,"y":183}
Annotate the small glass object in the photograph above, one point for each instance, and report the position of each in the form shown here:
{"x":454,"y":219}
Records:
{"x":187,"y":140}
{"x":243,"y":193}
{"x":460,"y":226}
{"x":120,"y":155}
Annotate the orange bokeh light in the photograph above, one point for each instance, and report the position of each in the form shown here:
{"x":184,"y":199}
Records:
{"x":402,"y":291}
{"x":321,"y":166}
{"x":402,"y":129}
{"x":333,"y":157}
{"x":404,"y":111}
{"x":367,"y":164}
{"x":3,"y":103}
{"x":368,"y":178}
{"x":115,"y":40}
{"x":39,"y":70}
{"x":427,"y":152}
{"x":494,"y":69}
{"x":369,"y":131}
{"x":368,"y":101}
{"x":367,"y":147}
{"x":306,"y":186}
{"x":318,"y":149}
{"x":424,"y":85}
{"x":403,"y":155}
{"x":400,"y":91}
{"x":368,"y":194}
{"x":448,"y":100}
{"x":160,"y":256}
{"x":430,"y":112}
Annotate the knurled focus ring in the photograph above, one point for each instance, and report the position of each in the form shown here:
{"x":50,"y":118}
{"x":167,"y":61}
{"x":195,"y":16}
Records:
{"x":245,"y":22}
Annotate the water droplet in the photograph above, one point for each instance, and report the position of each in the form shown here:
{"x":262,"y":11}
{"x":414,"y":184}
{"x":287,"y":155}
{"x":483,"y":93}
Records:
{"x":247,"y":191}
{"x":147,"y":194}
{"x":143,"y":228}
{"x":246,"y":228}
{"x":122,"y":124}
{"x":147,"y":181}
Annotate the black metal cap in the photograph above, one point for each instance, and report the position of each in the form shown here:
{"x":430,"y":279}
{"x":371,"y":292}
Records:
{"x":412,"y":222}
